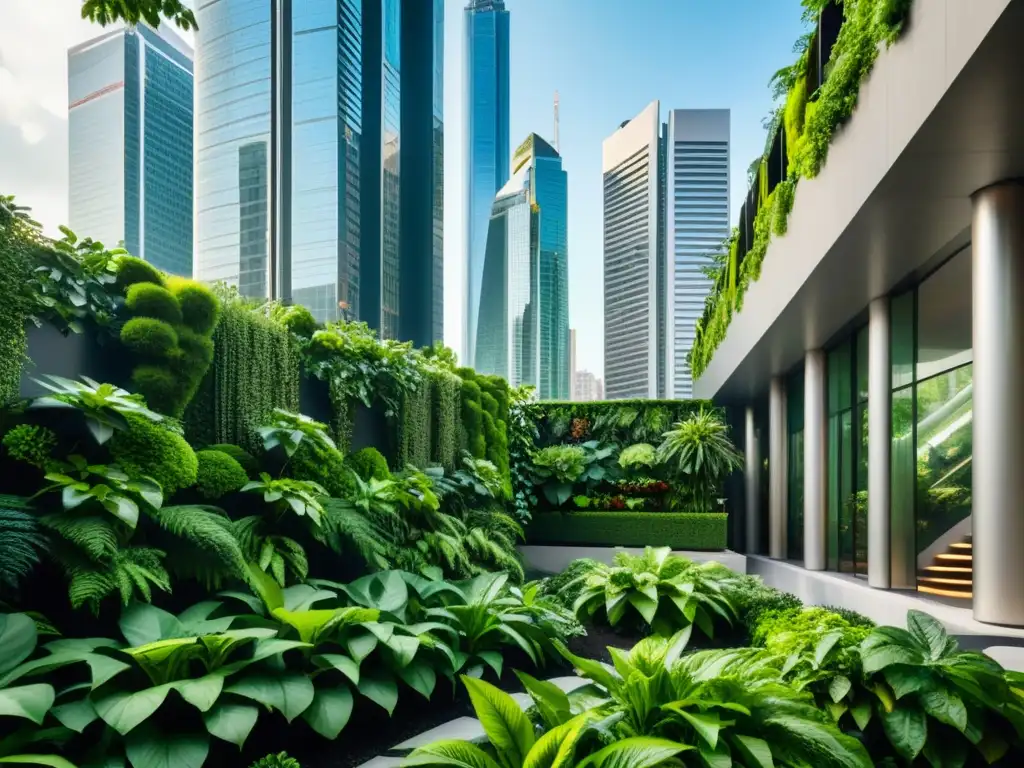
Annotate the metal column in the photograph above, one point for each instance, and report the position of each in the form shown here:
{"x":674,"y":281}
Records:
{"x":879,"y":443}
{"x":815,"y":461}
{"x":778,"y":469}
{"x":752,"y":478}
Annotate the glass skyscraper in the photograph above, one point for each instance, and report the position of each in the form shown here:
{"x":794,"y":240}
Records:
{"x":304,"y":147}
{"x":130,"y":144}
{"x":486,"y":142}
{"x":523,"y":322}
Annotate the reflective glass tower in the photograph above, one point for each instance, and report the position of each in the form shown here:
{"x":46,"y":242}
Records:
{"x":130,"y":144}
{"x":304,"y":147}
{"x":486,"y":142}
{"x":523,"y":322}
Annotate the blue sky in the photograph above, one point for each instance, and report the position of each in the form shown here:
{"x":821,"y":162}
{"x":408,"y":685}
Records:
{"x":608,"y":59}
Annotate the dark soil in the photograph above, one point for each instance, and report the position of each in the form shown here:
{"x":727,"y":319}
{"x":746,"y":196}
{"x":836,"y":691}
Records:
{"x":595,"y":644}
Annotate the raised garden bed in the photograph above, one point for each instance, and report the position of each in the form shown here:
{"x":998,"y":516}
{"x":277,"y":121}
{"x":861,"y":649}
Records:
{"x":679,"y":530}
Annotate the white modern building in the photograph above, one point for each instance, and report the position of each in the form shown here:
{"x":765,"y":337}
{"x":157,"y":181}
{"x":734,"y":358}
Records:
{"x":586,"y":387}
{"x":696,"y":224}
{"x":633,"y":268}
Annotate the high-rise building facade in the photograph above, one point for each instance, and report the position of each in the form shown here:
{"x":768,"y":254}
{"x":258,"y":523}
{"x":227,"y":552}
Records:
{"x":316,"y":181}
{"x":486,"y":143}
{"x":523,"y":321}
{"x":130,"y":144}
{"x":696,"y":224}
{"x":634,"y":278}
{"x":586,"y":387}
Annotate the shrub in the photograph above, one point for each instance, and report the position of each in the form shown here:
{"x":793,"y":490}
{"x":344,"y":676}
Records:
{"x":243,"y":457}
{"x":773,"y":626}
{"x":853,"y":618}
{"x":280,"y":760}
{"x":369,"y":464}
{"x":200,"y":309}
{"x":296,"y":318}
{"x":131,"y":270}
{"x":196,"y":352}
{"x":159,"y":386}
{"x":218,"y":474}
{"x":319,"y":463}
{"x":148,"y":448}
{"x":567,"y":585}
{"x":31,"y":444}
{"x":679,"y":530}
{"x":638,"y":455}
{"x":149,"y":300}
{"x":149,"y":336}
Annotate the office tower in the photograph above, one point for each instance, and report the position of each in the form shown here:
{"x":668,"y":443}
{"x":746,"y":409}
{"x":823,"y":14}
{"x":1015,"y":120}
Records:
{"x":523,"y":323}
{"x":697,"y":177}
{"x":633,"y":280}
{"x":572,"y":350}
{"x":319,"y":156}
{"x":130,"y":144}
{"x":586,"y":386}
{"x":486,"y":141}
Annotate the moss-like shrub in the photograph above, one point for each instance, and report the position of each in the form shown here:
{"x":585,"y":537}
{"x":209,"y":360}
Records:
{"x":31,"y":444}
{"x":322,"y":464}
{"x":131,"y":270}
{"x":196,"y":351}
{"x":158,"y":384}
{"x":297,"y":319}
{"x":218,"y":474}
{"x":369,"y":463}
{"x":200,"y":309}
{"x":243,"y":457}
{"x":153,"y":449}
{"x":473,"y":420}
{"x":149,"y":337}
{"x":150,"y":300}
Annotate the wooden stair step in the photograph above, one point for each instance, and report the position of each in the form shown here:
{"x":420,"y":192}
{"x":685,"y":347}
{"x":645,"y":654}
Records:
{"x":944,"y":592}
{"x":946,"y":580}
{"x":954,"y":556}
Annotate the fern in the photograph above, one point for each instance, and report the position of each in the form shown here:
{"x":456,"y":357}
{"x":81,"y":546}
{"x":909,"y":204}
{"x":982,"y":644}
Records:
{"x":93,"y":535}
{"x":495,"y":553}
{"x":21,"y":541}
{"x":276,"y":555}
{"x":133,"y":570}
{"x":209,"y":552}
{"x":344,"y":525}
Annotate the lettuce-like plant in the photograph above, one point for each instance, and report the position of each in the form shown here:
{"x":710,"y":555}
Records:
{"x":103,"y":406}
{"x":107,"y":486}
{"x":666,"y":591}
{"x":287,"y":430}
{"x":638,"y":455}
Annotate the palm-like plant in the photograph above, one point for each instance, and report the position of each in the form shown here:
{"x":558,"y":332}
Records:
{"x":701,"y":450}
{"x":668,"y":592}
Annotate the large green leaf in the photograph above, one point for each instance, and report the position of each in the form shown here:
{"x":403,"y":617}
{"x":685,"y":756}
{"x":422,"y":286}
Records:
{"x":452,"y":753}
{"x":31,"y":702}
{"x":76,"y":715}
{"x":124,"y":710}
{"x":142,"y":623}
{"x":557,"y":747}
{"x":231,"y":722}
{"x":202,"y":692}
{"x":929,"y":632}
{"x":385,"y":591}
{"x":644,"y":605}
{"x":755,"y":752}
{"x":403,"y":648}
{"x":330,"y":711}
{"x":54,"y":761}
{"x":340,"y":662}
{"x":886,"y":646}
{"x":707,"y":724}
{"x":508,"y":729}
{"x":289,"y":693}
{"x":822,"y":739}
{"x":380,"y":690}
{"x":905,"y":679}
{"x":361,"y":646}
{"x":946,"y":707}
{"x":594,"y":670}
{"x":153,"y":748}
{"x":17,"y":640}
{"x":637,"y":752}
{"x":906,"y":727}
{"x":419,"y":676}
{"x":552,"y":702}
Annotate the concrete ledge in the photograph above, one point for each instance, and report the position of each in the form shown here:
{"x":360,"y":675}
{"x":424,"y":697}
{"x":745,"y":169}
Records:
{"x":554,"y":559}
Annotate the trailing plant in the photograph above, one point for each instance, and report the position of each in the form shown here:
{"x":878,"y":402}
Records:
{"x":522,"y":435}
{"x":21,"y":240}
{"x":702,"y":452}
{"x":446,"y":388}
{"x":666,"y":592}
{"x":104,"y":407}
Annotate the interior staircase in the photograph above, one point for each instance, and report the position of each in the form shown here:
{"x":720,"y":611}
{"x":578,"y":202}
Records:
{"x":951,"y":573}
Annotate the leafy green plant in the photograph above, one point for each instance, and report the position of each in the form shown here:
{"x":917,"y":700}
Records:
{"x":31,"y":444}
{"x":104,"y":407}
{"x":21,"y":239}
{"x":701,"y":450}
{"x":369,"y":464}
{"x":218,"y":474}
{"x":157,"y":450}
{"x":512,"y":743}
{"x":300,"y":496}
{"x":132,"y":12}
{"x":287,"y":431}
{"x":638,"y":455}
{"x":666,"y":591}
{"x":243,"y":457}
{"x":21,"y":542}
{"x":558,"y":467}
{"x":280,"y":760}
{"x":84,"y":485}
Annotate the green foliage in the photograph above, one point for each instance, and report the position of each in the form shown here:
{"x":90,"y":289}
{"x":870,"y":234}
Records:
{"x":155,"y":450}
{"x":701,"y":450}
{"x":243,"y":457}
{"x":300,"y":496}
{"x":679,"y":530}
{"x":255,"y":369}
{"x":287,"y":431}
{"x":132,"y":572}
{"x":105,"y":408}
{"x":201,"y":545}
{"x":20,"y":242}
{"x":296,"y":318}
{"x":567,"y":585}
{"x":666,"y":591}
{"x":473,"y":420}
{"x":149,"y":337}
{"x":369,"y":464}
{"x":615,"y":422}
{"x":154,"y":301}
{"x":218,"y":474}
{"x":131,"y":271}
{"x":522,"y":434}
{"x":317,"y":462}
{"x":134,"y":12}
{"x":446,"y":389}
{"x":87,"y":486}
{"x":415,"y":439}
{"x":21,"y":542}
{"x":199,"y":307}
{"x":638,"y":455}
{"x":31,"y":444}
{"x":280,"y":760}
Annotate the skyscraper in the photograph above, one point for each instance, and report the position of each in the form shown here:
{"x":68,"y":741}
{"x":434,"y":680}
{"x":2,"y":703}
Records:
{"x":523,"y":322}
{"x":697,"y":179}
{"x":130,"y":144}
{"x":486,"y":142}
{"x":634,"y":274}
{"x":318,"y":156}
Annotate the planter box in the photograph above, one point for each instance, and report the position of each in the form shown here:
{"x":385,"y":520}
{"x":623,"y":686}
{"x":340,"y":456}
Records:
{"x":71,"y":356}
{"x":315,"y":399}
{"x":679,"y":530}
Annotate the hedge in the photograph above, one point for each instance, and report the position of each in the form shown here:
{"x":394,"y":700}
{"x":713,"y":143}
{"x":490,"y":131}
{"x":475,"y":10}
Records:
{"x":679,"y":530}
{"x":621,"y":422}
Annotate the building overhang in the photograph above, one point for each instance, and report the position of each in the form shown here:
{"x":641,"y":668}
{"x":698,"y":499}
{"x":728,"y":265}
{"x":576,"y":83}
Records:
{"x":940,"y":116}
